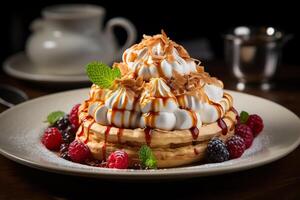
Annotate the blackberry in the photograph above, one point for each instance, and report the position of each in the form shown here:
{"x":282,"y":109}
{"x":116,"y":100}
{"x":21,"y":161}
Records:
{"x":68,"y":134}
{"x":216,"y":151}
{"x":95,"y":163}
{"x":64,"y":148}
{"x":65,"y":156}
{"x":63,"y":151}
{"x":68,"y":138}
{"x":62,"y":123}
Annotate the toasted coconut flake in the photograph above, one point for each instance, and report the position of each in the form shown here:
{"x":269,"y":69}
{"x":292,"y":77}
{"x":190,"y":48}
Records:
{"x":132,"y":86}
{"x":164,"y":33}
{"x":178,"y":83}
{"x":123,"y":68}
{"x":182,"y":52}
{"x":169,"y":49}
{"x":166,"y":44}
{"x":191,"y":84}
{"x":170,"y":58}
{"x":198,"y":62}
{"x":200,"y":69}
{"x":181,"y":80}
{"x":132,"y":57}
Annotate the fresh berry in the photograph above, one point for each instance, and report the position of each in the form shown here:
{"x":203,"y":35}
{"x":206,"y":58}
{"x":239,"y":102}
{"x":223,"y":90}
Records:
{"x":95,"y":163}
{"x":69,"y":134}
{"x":118,"y":159}
{"x":65,"y":155}
{"x":73,"y":117}
{"x":216,"y":151}
{"x":244,"y":132}
{"x":236,"y":146}
{"x":52,"y":138}
{"x":62,"y":123}
{"x":63,"y":148}
{"x":78,"y":151}
{"x":255,"y":122}
{"x":63,"y":151}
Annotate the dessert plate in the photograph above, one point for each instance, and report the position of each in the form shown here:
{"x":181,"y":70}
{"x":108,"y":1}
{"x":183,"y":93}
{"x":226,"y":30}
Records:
{"x":22,"y":126}
{"x":19,"y":66}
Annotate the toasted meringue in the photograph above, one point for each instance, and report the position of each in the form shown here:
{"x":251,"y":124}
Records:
{"x":164,"y":99}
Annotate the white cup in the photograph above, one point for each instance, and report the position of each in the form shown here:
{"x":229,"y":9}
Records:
{"x":70,"y":36}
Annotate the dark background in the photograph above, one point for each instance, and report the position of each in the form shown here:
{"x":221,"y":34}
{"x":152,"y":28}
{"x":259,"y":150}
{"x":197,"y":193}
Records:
{"x":182,"y":20}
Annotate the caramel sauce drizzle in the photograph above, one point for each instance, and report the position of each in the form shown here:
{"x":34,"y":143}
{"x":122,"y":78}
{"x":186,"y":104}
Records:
{"x":120,"y":134}
{"x":194,"y":130}
{"x":159,"y":70}
{"x":148,"y":132}
{"x":82,"y":125}
{"x":234,"y":110}
{"x":150,"y":121}
{"x":196,"y":152}
{"x":115,"y":104}
{"x":223,"y":126}
{"x":122,"y":113}
{"x":218,"y":107}
{"x":88,"y":131}
{"x":150,"y":118}
{"x":232,"y":121}
{"x":106,"y":133}
{"x":113,"y":115}
{"x":229,"y":99}
{"x":181,"y":101}
{"x":155,"y":103}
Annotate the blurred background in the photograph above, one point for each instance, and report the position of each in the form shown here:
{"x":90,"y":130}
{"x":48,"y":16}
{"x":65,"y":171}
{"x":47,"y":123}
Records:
{"x":182,"y":20}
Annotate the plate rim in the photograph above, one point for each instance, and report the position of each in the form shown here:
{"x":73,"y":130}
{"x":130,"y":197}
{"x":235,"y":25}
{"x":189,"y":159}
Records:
{"x":183,"y":172}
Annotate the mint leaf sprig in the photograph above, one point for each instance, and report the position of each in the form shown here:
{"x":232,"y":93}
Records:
{"x":147,"y":158}
{"x":101,"y":74}
{"x":244,"y":117}
{"x":54,"y":116}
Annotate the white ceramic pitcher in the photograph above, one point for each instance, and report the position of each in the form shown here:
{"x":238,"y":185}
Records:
{"x":68,"y":37}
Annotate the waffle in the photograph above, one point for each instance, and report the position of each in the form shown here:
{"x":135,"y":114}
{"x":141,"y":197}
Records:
{"x":171,"y":148}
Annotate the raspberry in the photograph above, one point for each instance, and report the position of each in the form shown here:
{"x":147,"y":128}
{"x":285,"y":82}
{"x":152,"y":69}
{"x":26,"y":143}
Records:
{"x":236,"y":146}
{"x":255,"y":122}
{"x":244,"y":132}
{"x":118,"y":159}
{"x":78,"y":151}
{"x":52,"y":138}
{"x":216,"y":151}
{"x":73,"y":116}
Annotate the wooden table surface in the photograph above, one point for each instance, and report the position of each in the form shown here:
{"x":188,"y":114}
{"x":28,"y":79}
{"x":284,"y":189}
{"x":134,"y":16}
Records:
{"x":278,"y":180}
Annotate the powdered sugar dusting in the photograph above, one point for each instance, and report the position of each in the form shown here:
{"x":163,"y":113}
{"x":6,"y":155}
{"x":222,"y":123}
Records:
{"x":30,"y":143}
{"x":22,"y":127}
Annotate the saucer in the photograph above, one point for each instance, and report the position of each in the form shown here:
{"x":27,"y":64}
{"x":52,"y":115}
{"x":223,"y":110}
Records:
{"x":19,"y":66}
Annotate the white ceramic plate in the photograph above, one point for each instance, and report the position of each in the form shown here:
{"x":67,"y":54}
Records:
{"x":19,"y":66}
{"x":22,"y":126}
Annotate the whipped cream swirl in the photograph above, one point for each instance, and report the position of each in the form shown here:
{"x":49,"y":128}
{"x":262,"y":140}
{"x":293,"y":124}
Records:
{"x":155,"y":60}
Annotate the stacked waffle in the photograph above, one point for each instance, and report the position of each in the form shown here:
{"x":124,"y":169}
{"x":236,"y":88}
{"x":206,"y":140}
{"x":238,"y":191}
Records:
{"x":163,"y":99}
